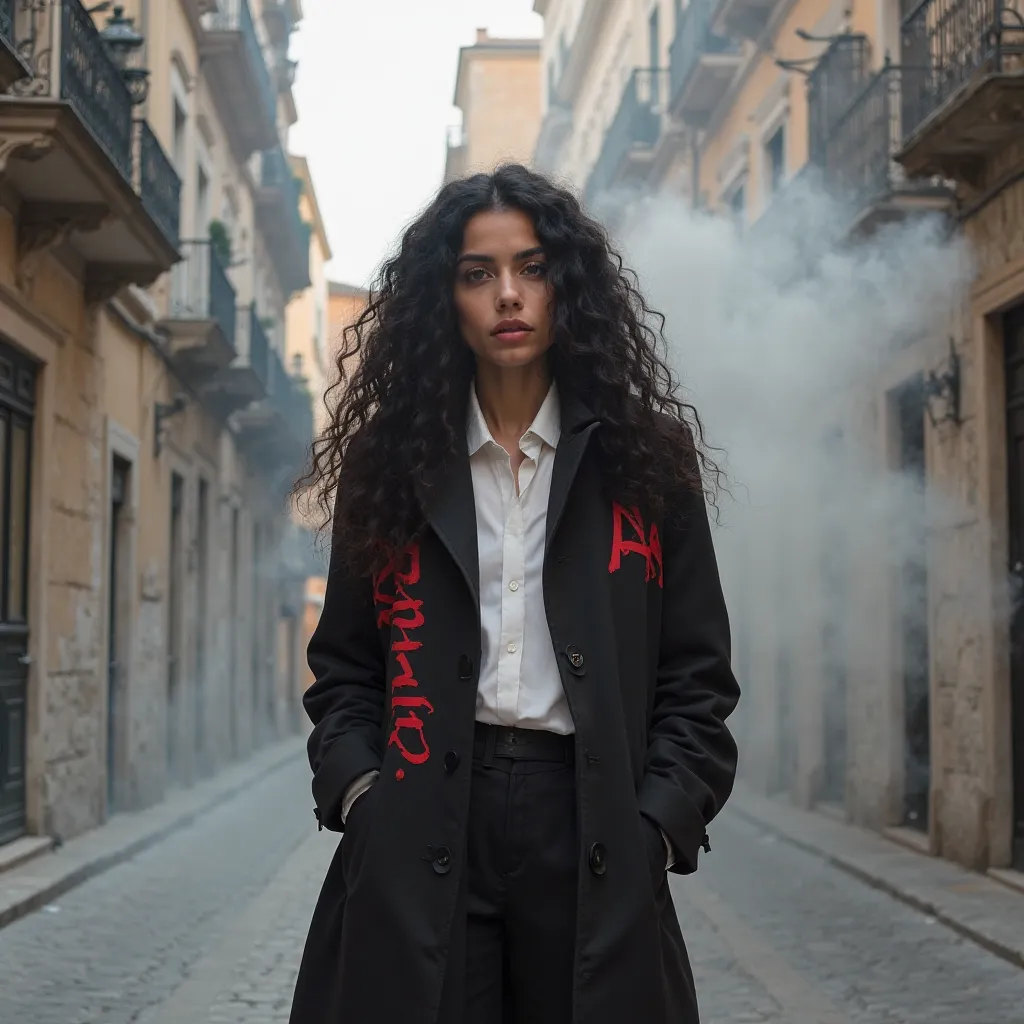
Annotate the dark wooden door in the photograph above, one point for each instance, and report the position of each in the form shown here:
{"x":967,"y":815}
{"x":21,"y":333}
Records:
{"x":835,"y":616}
{"x":176,"y":572}
{"x":1013,"y":334}
{"x":17,"y":406}
{"x":913,"y":605}
{"x":118,"y":496}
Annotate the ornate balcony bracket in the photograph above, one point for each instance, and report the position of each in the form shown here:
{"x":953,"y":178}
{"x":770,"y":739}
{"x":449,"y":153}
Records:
{"x":42,"y":226}
{"x":26,"y":146}
{"x":105,"y":281}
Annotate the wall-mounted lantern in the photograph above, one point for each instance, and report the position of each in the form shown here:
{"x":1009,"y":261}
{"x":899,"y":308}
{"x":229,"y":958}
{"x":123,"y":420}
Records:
{"x":162,"y":412}
{"x":124,"y":43}
{"x":942,"y":390}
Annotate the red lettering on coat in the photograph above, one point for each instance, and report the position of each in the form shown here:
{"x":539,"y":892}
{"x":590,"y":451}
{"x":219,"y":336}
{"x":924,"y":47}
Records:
{"x":649,"y":546}
{"x":397,"y":609}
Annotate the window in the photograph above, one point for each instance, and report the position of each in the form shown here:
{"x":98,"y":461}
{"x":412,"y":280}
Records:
{"x":775,"y":160}
{"x":737,"y":201}
{"x":654,"y":38}
{"x":180,"y":119}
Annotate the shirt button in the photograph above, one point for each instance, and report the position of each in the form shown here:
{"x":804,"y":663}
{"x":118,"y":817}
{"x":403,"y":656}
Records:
{"x":514,"y":586}
{"x":511,"y":648}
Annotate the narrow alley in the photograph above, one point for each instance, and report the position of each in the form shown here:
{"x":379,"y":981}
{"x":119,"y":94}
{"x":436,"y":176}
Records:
{"x":207,"y":927}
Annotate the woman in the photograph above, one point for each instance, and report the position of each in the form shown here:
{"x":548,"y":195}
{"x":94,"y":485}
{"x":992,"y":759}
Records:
{"x":522,"y":663}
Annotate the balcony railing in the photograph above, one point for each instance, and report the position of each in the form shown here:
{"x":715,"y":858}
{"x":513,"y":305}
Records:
{"x":82,"y":74}
{"x":276,"y":173}
{"x":946,"y":43}
{"x":292,"y":401}
{"x":832,"y":86}
{"x":257,"y":347}
{"x":200,"y":289}
{"x":693,"y":40}
{"x":858,"y":151}
{"x":157,"y":182}
{"x":637,"y":122}
{"x":235,"y":16}
{"x":7,"y":20}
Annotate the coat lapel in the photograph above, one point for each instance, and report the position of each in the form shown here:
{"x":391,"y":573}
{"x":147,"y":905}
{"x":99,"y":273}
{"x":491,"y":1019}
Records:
{"x":451,"y":512}
{"x":578,"y":423}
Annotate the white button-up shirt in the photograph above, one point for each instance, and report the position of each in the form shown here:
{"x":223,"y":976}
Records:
{"x":519,"y":681}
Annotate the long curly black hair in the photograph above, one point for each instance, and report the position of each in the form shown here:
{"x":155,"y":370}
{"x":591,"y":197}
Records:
{"x":405,"y":372}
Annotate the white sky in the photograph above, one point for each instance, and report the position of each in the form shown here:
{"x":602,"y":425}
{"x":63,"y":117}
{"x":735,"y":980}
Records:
{"x":374,"y":92}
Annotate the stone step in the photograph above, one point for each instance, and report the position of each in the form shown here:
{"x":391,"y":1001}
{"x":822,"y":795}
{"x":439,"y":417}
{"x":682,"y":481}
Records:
{"x":20,"y":851}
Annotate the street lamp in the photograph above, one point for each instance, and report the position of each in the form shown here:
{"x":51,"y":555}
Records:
{"x":124,"y":43}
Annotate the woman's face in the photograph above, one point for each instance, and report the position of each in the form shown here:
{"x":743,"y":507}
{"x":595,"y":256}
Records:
{"x":502,"y":294}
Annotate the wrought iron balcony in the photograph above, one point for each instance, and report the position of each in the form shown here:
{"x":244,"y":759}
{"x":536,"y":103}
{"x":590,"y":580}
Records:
{"x":836,"y":81}
{"x":201,"y":318}
{"x":963,"y":68}
{"x":292,"y":403}
{"x":279,"y":17}
{"x":239,"y":77}
{"x":157,"y":182}
{"x":75,"y":159}
{"x":633,"y":133}
{"x":277,"y":207}
{"x":257,"y":349}
{"x":743,"y":19}
{"x":857,"y":157}
{"x":701,"y":64}
{"x":11,"y":65}
{"x":278,"y":429}
{"x":284,"y":74}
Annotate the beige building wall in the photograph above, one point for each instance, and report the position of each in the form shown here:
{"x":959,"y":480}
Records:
{"x":308,"y":333}
{"x":796,"y":714}
{"x":155,"y":576}
{"x":498,"y":91}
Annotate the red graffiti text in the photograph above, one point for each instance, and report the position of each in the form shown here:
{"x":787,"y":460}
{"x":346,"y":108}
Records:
{"x":638,"y":542}
{"x":397,"y":609}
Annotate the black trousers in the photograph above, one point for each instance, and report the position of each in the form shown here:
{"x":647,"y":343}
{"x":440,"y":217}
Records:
{"x":520,"y":883}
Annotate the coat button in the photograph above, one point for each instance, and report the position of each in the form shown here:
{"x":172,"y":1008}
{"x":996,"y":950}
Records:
{"x":465,"y":667}
{"x":442,"y":860}
{"x":598,"y":860}
{"x":451,"y":761}
{"x":575,"y":656}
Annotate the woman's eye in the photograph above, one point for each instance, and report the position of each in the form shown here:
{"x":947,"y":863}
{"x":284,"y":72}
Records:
{"x":535,"y":269}
{"x":476,"y":275}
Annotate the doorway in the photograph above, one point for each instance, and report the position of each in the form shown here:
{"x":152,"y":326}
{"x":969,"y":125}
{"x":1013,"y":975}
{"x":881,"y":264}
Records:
{"x":17,"y":409}
{"x":1013,"y":337}
{"x":233,"y":635}
{"x":119,"y":479}
{"x":912,"y":605}
{"x":175,"y":573}
{"x":202,"y":621}
{"x":835,"y":615}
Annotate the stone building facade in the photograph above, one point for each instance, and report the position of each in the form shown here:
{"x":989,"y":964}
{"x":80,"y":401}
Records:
{"x":497,"y":88}
{"x":150,"y":242}
{"x":877,"y":633}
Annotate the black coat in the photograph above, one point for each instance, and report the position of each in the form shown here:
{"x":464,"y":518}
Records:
{"x":639,"y":624}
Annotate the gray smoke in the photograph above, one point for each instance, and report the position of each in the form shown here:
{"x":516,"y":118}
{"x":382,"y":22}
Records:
{"x":783,"y":336}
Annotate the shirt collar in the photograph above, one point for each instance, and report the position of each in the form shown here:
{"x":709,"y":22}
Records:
{"x":546,"y":424}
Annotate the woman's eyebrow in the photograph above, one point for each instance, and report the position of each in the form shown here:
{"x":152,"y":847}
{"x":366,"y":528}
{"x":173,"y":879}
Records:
{"x":476,"y":257}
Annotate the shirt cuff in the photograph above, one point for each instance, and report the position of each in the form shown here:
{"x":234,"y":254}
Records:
{"x":355,"y":791}
{"x":670,"y":853}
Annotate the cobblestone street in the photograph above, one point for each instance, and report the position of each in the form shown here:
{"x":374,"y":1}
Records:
{"x":207,"y":927}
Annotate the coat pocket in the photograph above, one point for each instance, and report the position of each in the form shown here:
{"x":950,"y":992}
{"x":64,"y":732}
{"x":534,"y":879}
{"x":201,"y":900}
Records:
{"x":353,"y":842}
{"x":657,"y":858}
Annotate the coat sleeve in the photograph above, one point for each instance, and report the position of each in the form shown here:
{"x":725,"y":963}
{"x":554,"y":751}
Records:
{"x":691,"y":755}
{"x":346,"y":701}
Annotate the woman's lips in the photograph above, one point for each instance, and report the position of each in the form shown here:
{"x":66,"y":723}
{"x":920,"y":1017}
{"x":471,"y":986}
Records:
{"x":513,"y":336}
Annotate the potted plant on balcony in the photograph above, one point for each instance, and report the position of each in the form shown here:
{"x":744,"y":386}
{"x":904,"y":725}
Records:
{"x":220,"y":241}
